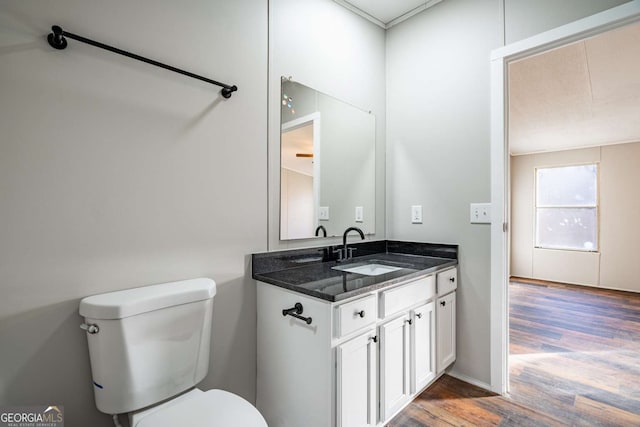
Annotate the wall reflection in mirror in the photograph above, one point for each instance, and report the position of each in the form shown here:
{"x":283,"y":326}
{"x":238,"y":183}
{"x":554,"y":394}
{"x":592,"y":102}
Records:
{"x":327,"y":165}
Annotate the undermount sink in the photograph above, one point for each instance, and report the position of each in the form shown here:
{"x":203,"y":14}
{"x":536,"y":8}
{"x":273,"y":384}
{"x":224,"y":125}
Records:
{"x":368,"y":269}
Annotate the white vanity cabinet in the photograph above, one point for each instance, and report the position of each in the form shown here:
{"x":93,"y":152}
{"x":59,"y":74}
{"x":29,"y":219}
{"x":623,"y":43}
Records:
{"x":356,"y":387}
{"x":423,"y":346}
{"x":446,"y":319}
{"x":356,"y":364}
{"x":395,"y":349}
{"x":399,"y":342}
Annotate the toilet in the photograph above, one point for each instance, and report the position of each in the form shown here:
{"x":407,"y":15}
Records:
{"x":149,"y":347}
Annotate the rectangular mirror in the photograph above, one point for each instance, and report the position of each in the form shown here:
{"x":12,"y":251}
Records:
{"x":327,"y":165}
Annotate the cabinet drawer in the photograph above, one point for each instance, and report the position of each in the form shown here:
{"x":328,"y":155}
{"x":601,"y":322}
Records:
{"x":447,"y":281}
{"x":400,"y":298}
{"x":354,"y":315}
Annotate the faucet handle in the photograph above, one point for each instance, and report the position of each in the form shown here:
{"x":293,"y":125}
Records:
{"x":350,"y":252}
{"x":341,"y":256}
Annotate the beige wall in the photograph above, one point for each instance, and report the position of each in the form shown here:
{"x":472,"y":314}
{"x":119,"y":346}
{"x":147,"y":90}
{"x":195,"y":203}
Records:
{"x":619,"y":207}
{"x":619,"y":213}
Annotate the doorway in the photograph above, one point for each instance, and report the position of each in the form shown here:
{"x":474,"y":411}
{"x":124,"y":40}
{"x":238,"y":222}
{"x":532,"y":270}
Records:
{"x":500,"y":229}
{"x":299,"y":177}
{"x":574,"y":344}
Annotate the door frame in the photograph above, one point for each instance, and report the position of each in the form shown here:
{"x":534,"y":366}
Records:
{"x":500,"y":174}
{"x":314,"y":120}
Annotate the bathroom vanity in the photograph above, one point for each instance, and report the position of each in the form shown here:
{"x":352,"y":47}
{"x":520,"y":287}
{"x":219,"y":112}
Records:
{"x":350,"y":344}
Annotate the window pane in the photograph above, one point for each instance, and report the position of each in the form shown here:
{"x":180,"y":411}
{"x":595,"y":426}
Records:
{"x":567,"y":186}
{"x":566,"y":228}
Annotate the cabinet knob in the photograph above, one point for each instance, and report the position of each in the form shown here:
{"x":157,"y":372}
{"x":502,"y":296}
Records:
{"x":443,"y":303}
{"x":373,"y":338}
{"x":360,"y":313}
{"x":409,"y":321}
{"x":452,"y":279}
{"x":419,"y":315}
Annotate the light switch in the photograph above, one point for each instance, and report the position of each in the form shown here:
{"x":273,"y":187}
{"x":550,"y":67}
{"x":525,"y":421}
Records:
{"x":323,"y":213}
{"x":480,"y":213}
{"x":416,"y":214}
{"x":359,"y":214}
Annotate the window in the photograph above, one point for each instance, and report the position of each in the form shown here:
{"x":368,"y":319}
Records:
{"x":567,"y":207}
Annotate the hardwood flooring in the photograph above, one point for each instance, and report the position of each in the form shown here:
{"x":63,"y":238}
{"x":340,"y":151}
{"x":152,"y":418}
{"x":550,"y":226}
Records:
{"x":574,"y":361}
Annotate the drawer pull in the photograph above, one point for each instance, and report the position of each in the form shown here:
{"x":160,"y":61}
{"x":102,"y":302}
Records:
{"x":409,"y":321}
{"x":443,"y":303}
{"x":419,"y":315}
{"x":452,"y":279}
{"x":296,"y":311}
{"x":360,"y":313}
{"x":373,"y":338}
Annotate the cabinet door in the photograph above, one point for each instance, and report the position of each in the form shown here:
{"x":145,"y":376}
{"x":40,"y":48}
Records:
{"x":423,"y":346}
{"x":356,"y":381}
{"x":394,"y":365}
{"x":446,"y":327}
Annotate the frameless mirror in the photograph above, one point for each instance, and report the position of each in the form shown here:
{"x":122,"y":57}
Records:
{"x":327,"y":164}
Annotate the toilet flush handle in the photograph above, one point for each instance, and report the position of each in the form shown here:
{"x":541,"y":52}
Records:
{"x":90,"y":328}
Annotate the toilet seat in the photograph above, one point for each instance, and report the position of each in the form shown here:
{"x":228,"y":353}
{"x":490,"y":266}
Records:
{"x":213,"y":408}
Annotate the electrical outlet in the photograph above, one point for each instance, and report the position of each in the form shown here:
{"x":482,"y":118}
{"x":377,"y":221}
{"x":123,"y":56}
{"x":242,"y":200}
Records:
{"x":416,"y":214}
{"x":480,"y":213}
{"x":323,"y":213}
{"x":359,"y":214}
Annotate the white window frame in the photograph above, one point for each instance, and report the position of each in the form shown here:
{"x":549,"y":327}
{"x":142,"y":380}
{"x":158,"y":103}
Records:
{"x":595,"y":206}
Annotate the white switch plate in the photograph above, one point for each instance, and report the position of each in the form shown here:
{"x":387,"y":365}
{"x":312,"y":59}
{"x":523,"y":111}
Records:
{"x":480,"y":213}
{"x":323,"y":213}
{"x":359,"y":214}
{"x":416,"y":214}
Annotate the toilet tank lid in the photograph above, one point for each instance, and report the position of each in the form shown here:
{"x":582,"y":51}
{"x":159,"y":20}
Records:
{"x":129,"y":302}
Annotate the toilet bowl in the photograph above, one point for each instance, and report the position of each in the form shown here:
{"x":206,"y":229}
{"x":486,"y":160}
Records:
{"x":197,"y":408}
{"x":149,"y":347}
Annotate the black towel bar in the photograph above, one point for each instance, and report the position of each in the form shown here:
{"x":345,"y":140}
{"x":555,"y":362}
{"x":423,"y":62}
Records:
{"x":57,"y":40}
{"x":296,"y":311}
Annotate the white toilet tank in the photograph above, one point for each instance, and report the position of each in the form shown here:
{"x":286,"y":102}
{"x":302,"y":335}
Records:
{"x":148,"y":344}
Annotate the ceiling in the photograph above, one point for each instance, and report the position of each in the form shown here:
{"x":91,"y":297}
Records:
{"x":581,"y":95}
{"x":387,"y":13}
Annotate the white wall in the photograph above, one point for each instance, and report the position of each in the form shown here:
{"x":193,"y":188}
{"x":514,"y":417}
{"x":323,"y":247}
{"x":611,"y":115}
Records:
{"x":347,"y":166}
{"x":525,"y":18}
{"x":438,"y":137}
{"x":613,"y":266}
{"x":329,"y":48}
{"x":115,"y":174}
{"x":438,"y":156}
{"x":296,"y":204}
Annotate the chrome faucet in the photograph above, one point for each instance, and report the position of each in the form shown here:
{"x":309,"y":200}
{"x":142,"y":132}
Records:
{"x":346,"y":252}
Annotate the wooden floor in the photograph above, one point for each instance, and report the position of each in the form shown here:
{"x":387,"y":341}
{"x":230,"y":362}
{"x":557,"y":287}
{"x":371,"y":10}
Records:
{"x":574,"y":361}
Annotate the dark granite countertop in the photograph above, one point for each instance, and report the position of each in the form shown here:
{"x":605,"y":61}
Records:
{"x":310,"y":271}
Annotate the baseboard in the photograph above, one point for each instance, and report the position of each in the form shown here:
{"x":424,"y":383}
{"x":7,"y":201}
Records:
{"x":468,"y":379}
